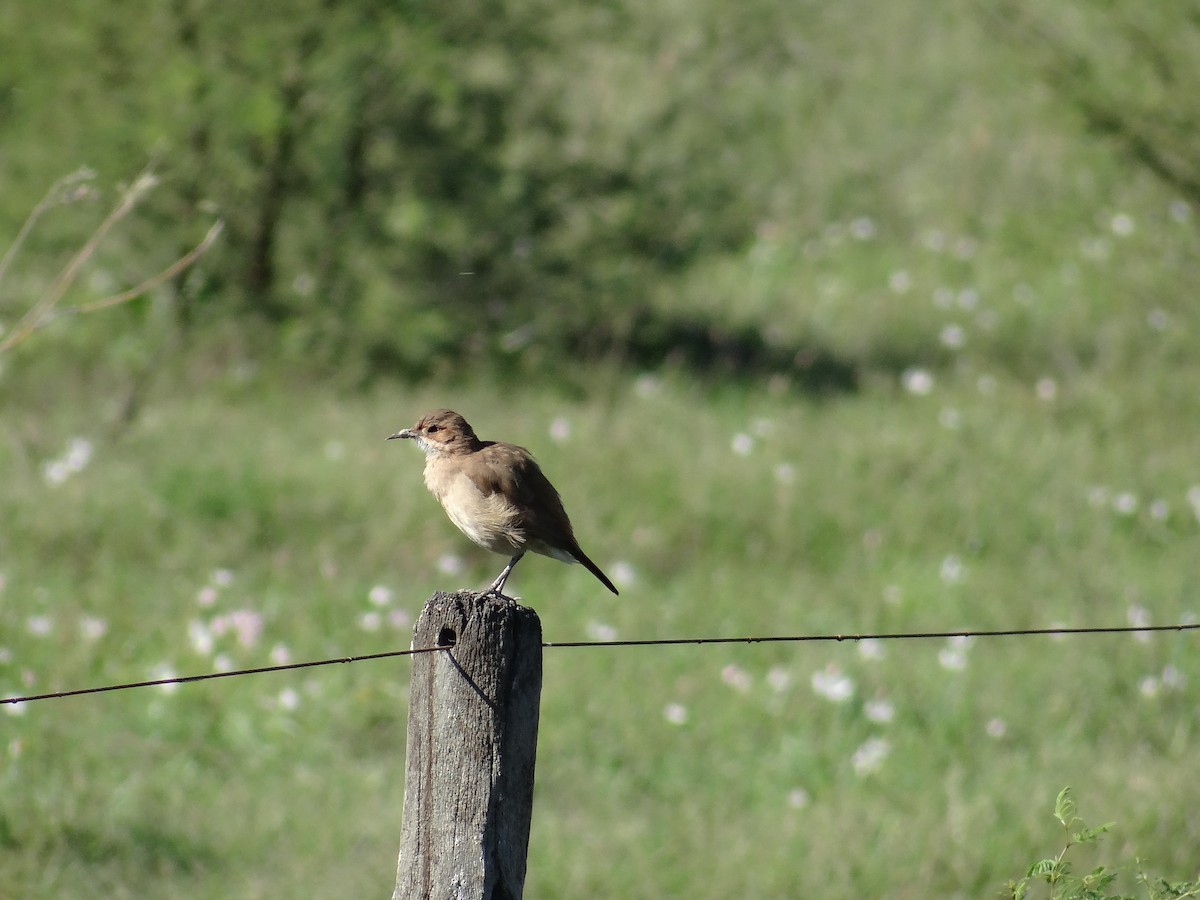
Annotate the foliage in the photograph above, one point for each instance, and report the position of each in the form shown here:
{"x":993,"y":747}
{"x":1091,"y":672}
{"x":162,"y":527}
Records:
{"x":399,"y":184}
{"x":1063,"y":884}
{"x":1127,"y":70}
{"x":517,"y":184}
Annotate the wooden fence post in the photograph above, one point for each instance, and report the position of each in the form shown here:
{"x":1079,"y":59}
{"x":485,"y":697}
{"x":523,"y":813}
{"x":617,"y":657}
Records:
{"x":472,"y":742}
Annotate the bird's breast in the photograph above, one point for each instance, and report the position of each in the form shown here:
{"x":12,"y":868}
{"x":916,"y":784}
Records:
{"x":490,"y":520}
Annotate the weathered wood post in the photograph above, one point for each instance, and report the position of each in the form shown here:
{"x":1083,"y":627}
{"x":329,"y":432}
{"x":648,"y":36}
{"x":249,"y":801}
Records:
{"x":472,"y":741}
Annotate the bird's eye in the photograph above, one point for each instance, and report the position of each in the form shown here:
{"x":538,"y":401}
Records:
{"x":432,"y":429}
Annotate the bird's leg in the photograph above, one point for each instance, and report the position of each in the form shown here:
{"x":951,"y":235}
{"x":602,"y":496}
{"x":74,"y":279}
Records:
{"x":497,"y":586}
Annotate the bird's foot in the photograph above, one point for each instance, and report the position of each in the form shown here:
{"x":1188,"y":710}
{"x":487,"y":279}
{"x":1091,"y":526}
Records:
{"x":500,"y":596}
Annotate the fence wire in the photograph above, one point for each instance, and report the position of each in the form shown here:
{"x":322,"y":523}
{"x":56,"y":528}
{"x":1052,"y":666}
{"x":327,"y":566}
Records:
{"x":645,"y":642}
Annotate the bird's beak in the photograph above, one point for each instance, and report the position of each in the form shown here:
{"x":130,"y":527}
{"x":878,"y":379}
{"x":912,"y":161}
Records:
{"x":404,"y":433}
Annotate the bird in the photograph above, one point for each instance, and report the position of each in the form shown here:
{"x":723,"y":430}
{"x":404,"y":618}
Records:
{"x":496,"y":494}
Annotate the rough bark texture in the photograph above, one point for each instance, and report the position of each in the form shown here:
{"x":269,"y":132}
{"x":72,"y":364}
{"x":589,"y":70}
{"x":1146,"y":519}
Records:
{"x":472,"y":742}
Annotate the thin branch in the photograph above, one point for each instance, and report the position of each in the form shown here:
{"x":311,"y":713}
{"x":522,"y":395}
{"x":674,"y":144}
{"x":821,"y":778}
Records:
{"x":37,"y":315}
{"x":150,"y":283}
{"x":41,"y":313}
{"x":56,"y":194}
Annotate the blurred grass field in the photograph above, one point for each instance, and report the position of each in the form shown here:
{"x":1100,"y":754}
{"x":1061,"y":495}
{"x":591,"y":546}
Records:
{"x":273,"y":525}
{"x":1014,"y":446}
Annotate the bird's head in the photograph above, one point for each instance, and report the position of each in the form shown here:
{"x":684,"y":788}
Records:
{"x":441,"y":431}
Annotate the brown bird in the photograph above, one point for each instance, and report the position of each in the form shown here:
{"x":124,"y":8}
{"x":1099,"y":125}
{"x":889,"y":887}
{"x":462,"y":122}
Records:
{"x":496,"y":494}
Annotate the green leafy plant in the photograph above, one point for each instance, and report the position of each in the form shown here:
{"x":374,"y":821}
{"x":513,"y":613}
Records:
{"x":1063,"y":884}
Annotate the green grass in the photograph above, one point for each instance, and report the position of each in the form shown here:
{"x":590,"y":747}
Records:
{"x":293,"y":782}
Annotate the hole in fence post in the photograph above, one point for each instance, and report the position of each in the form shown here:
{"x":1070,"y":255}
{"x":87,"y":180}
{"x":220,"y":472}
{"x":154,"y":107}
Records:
{"x":447,"y":637}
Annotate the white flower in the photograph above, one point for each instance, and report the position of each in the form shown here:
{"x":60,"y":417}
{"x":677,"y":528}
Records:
{"x":917,"y":381}
{"x":863,"y":228}
{"x":954,"y":655}
{"x":623,"y":574}
{"x":1172,"y":678}
{"x":560,"y":430}
{"x":79,"y":454}
{"x":763,"y":427}
{"x":871,"y":648}
{"x":951,"y":570}
{"x":675,"y":713}
{"x":779,"y":679}
{"x":55,"y":472}
{"x":449,"y":564}
{"x":647,"y":385}
{"x":247,"y":624}
{"x":200,"y":637}
{"x":879,"y":711}
{"x":598,"y":631}
{"x":736,"y":677}
{"x":165,"y":673}
{"x":380,"y":595}
{"x":953,"y":336}
{"x":74,"y":459}
{"x":831,"y":684}
{"x":870,"y":755}
{"x":1139,"y":617}
{"x":1125,"y":503}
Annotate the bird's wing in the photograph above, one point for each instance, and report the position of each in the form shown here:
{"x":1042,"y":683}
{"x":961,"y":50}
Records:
{"x":513,"y":472}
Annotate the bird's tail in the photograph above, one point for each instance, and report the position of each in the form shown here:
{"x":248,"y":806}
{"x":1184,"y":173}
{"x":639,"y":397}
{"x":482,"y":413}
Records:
{"x":582,"y":559}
